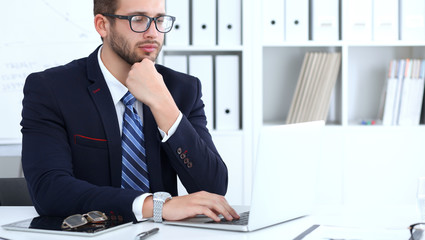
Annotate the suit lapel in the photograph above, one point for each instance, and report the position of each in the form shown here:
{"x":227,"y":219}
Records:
{"x":102,"y":98}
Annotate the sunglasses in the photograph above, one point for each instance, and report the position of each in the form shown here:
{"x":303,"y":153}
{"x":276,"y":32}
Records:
{"x":79,"y":220}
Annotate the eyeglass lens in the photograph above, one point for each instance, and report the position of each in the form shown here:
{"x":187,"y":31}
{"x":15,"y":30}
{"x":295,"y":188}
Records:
{"x":96,"y":216}
{"x":141,"y":23}
{"x":75,"y":221}
{"x":416,"y":230}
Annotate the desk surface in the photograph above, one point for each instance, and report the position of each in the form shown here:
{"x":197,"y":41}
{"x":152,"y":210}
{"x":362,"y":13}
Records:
{"x":10,"y":150}
{"x":378,"y":219}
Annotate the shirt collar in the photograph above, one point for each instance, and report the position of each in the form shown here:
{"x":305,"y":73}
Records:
{"x":117,"y":89}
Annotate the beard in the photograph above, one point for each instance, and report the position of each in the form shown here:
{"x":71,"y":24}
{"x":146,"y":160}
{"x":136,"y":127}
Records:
{"x":123,"y":49}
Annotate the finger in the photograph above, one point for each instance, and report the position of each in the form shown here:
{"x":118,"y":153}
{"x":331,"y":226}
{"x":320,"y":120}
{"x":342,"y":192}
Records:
{"x":233,"y":213}
{"x":148,"y":63}
{"x":147,"y":60}
{"x":209,"y":213}
{"x":220,"y":206}
{"x":217,"y":204}
{"x":229,"y":209}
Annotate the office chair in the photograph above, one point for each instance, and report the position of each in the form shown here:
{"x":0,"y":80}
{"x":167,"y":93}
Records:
{"x":14,"y":192}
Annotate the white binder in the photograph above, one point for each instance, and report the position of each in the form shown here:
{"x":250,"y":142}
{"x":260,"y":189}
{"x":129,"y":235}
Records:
{"x":385,"y":20}
{"x":204,"y":22}
{"x":325,"y":20}
{"x":400,"y":79}
{"x":413,"y":88}
{"x":296,"y":22}
{"x":227,"y":92}
{"x":406,"y":99}
{"x":419,"y":94}
{"x":412,"y":20}
{"x":229,"y":22}
{"x":179,"y":35}
{"x":176,"y":62}
{"x":201,"y":66}
{"x":390,"y":95}
{"x":273,"y":15}
{"x":358,"y":21}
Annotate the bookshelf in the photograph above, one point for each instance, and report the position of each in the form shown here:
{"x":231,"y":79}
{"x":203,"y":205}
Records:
{"x":364,"y":65}
{"x":356,"y":159}
{"x":358,"y":91}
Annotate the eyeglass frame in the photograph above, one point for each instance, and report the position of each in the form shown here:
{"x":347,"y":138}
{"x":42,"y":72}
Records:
{"x":151,"y":19}
{"x":412,"y":228}
{"x":86,"y":218}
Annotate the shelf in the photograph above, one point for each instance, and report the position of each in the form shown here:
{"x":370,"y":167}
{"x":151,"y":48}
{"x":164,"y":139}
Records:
{"x":385,"y":44}
{"x":365,"y":77}
{"x":359,"y":89}
{"x":203,"y":48}
{"x":306,"y":44}
{"x":281,"y":68}
{"x":348,"y":44}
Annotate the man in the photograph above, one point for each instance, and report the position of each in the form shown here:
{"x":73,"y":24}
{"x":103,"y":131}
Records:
{"x":75,"y":127}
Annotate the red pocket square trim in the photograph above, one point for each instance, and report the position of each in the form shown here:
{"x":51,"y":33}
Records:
{"x":94,"y":139}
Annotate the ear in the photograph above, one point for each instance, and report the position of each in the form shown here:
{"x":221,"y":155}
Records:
{"x":101,"y":23}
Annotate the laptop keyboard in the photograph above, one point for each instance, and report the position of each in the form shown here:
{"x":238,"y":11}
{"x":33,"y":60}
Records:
{"x":243,"y":220}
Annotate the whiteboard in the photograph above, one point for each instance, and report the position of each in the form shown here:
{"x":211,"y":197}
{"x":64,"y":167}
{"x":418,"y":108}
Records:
{"x":35,"y":35}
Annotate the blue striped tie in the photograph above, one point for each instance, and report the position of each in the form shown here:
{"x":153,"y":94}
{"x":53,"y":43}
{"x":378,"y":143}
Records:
{"x":134,"y":168}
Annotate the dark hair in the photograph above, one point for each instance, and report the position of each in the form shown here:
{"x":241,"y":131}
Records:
{"x":105,"y":6}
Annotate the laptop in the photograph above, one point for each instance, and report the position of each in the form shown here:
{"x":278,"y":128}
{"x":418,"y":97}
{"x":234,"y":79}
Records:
{"x":284,"y":180}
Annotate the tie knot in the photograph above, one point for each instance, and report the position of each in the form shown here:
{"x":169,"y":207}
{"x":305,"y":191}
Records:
{"x":128,"y":99}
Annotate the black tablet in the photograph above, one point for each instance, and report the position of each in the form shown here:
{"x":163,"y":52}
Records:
{"x":46,"y":224}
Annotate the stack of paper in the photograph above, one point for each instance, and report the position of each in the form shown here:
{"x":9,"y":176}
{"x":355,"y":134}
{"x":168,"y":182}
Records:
{"x":314,"y":88}
{"x":404,"y":92}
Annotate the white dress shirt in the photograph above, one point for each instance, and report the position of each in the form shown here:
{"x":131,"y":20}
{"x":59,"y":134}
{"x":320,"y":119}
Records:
{"x":118,"y":90}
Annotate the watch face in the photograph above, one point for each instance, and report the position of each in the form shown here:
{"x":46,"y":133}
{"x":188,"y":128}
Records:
{"x":161,"y":196}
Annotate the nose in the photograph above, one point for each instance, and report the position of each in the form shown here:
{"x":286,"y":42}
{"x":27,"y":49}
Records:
{"x":151,"y":32}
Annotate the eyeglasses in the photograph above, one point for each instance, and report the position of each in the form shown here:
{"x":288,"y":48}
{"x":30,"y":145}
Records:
{"x":79,"y":220}
{"x":416,"y":230}
{"x":141,"y":23}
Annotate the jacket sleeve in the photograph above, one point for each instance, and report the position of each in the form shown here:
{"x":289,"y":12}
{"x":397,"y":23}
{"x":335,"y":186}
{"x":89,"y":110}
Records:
{"x":192,"y":153}
{"x":48,"y":162}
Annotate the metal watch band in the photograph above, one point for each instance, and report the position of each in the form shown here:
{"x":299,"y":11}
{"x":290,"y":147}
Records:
{"x":159,"y":199}
{"x":157,"y":210}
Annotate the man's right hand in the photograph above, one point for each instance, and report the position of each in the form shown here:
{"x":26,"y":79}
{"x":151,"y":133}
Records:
{"x":208,"y":204}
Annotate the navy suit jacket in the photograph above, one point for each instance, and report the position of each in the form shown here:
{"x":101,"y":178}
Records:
{"x":71,"y":149}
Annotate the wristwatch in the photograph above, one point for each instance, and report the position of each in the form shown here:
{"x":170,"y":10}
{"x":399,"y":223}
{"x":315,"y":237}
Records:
{"x":159,"y":199}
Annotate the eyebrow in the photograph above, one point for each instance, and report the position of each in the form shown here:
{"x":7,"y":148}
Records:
{"x":145,"y":13}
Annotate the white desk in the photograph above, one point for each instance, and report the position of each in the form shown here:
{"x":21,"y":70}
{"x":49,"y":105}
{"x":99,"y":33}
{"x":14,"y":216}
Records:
{"x":379,"y":219}
{"x":10,"y":150}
